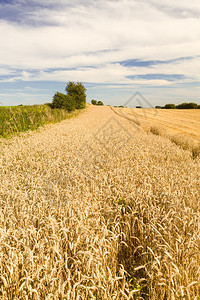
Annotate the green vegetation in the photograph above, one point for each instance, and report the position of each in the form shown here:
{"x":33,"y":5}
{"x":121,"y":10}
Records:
{"x":78,"y":92}
{"x":75,"y":98}
{"x":63,"y":101}
{"x":96,"y":102}
{"x":184,"y":105}
{"x":187,"y":106}
{"x":15,"y":119}
{"x":170,"y":106}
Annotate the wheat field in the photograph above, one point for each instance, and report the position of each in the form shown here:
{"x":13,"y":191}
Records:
{"x":181,"y":126}
{"x":98,"y":207}
{"x":184,"y":121}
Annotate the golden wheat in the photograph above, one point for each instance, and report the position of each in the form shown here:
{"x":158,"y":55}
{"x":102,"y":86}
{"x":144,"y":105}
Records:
{"x":175,"y":121}
{"x":95,"y":208}
{"x":181,"y":126}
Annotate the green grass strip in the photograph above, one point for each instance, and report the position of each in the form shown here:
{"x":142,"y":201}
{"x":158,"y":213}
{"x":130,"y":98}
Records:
{"x":15,"y":119}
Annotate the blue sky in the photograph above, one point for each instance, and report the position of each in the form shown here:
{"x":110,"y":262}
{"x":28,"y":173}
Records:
{"x":115,"y":47}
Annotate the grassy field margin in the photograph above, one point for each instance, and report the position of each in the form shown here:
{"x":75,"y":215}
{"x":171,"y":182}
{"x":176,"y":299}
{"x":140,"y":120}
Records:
{"x":15,"y":119}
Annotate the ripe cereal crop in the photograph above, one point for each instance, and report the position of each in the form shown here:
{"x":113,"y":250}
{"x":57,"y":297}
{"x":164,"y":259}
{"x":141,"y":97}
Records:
{"x":96,"y":208}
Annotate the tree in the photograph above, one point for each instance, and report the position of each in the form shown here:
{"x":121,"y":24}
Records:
{"x":58,"y":100}
{"x":70,"y":105}
{"x":94,"y":102}
{"x":63,"y":101}
{"x":170,"y":106}
{"x":187,"y":106}
{"x":78,"y":92}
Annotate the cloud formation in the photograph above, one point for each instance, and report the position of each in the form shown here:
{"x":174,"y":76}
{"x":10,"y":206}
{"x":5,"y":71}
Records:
{"x":111,"y":42}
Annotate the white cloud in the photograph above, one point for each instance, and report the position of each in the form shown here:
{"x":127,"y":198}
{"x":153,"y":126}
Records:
{"x":179,"y":8}
{"x":73,"y":35}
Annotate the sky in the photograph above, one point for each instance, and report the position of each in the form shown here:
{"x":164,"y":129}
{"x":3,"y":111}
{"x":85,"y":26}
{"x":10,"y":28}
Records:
{"x":116,"y":48}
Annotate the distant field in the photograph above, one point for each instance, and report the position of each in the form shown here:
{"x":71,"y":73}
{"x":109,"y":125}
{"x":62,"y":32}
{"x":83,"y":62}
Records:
{"x":185,"y":121}
{"x":182,"y":126}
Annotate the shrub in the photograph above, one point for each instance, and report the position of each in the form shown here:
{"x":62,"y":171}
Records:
{"x":78,"y":92}
{"x":58,"y":100}
{"x":63,"y":101}
{"x":49,"y":105}
{"x":187,"y":106}
{"x":94,"y":102}
{"x":170,"y":106}
{"x":184,"y":105}
{"x":70,"y":104}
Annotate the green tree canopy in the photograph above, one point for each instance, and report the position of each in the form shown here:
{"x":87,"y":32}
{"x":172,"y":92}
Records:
{"x":94,"y":102}
{"x":170,"y":106}
{"x":58,"y":100}
{"x":63,"y":101}
{"x":185,"y":105}
{"x":78,"y":92}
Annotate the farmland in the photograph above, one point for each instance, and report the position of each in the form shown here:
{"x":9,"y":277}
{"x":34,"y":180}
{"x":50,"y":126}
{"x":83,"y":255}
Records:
{"x":181,"y":126}
{"x":179,"y":121}
{"x":101,"y":206}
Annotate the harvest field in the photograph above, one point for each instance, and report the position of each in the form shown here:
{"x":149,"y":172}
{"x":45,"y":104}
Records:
{"x":98,"y":207}
{"x":174,"y":122}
